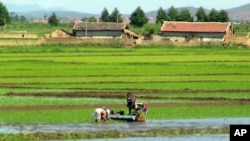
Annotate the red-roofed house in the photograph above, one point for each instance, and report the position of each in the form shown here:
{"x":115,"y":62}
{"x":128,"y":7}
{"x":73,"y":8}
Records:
{"x":198,"y":31}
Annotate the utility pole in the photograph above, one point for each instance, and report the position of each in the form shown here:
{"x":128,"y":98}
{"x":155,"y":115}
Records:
{"x":86,"y":27}
{"x":116,"y":17}
{"x":45,"y":20}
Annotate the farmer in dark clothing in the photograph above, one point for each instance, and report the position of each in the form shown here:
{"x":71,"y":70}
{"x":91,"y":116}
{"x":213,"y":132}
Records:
{"x":130,"y":102}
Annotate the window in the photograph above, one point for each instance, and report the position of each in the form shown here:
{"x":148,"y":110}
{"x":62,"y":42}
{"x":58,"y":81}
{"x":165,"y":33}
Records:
{"x":186,"y":38}
{"x":201,"y":38}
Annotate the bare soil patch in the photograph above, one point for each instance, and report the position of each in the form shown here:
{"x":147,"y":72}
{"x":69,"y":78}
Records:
{"x":92,"y":106}
{"x":112,"y":93}
{"x":147,"y":94}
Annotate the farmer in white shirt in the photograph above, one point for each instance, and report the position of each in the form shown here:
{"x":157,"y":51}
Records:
{"x":101,"y":114}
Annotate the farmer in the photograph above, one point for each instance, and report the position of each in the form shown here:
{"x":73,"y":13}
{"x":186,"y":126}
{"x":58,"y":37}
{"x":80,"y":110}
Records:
{"x":100,"y":114}
{"x":109,"y":112}
{"x":130,"y":102}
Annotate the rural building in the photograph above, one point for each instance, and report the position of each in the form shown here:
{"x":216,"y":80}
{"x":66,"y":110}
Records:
{"x":99,"y":29}
{"x":197,"y":31}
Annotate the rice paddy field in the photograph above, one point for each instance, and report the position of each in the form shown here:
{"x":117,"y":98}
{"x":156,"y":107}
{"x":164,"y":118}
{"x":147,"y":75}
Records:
{"x":62,"y":84}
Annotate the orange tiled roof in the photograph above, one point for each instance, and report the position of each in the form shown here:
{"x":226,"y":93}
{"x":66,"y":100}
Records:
{"x":169,"y":26}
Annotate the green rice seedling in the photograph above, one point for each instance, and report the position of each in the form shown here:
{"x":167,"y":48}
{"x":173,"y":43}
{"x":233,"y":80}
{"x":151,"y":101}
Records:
{"x":189,"y":112}
{"x":157,"y":75}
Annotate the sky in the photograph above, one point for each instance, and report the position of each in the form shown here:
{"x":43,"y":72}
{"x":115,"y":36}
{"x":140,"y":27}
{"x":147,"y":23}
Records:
{"x":128,"y":6}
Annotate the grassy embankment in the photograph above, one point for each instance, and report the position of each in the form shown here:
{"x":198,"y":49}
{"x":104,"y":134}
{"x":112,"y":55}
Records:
{"x":175,"y":74}
{"x":40,"y":29}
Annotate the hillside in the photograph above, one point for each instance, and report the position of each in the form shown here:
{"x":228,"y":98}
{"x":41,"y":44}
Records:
{"x":30,"y":8}
{"x":240,"y":13}
{"x":60,"y":14}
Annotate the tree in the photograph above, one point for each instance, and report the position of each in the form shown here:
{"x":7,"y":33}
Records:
{"x":22,"y":19}
{"x":91,"y":19}
{"x":172,"y":14}
{"x":85,"y":19}
{"x":213,"y":15}
{"x":116,"y":16}
{"x":161,"y":16}
{"x":105,"y":15}
{"x":4,"y":15}
{"x":151,"y":28}
{"x":223,"y":16}
{"x":138,"y":17}
{"x":185,"y":15}
{"x":53,"y":20}
{"x":16,"y":18}
{"x":201,"y":15}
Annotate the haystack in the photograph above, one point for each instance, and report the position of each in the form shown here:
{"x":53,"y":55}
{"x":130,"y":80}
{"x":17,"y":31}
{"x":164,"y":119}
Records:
{"x":140,"y":116}
{"x":58,"y":34}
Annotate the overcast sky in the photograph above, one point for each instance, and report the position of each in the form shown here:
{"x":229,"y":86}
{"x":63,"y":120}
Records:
{"x":128,"y":6}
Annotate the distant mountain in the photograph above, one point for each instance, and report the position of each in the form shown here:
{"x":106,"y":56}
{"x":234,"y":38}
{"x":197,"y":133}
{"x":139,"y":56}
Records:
{"x":60,"y":14}
{"x":22,"y":8}
{"x":30,"y":8}
{"x":36,"y":11}
{"x":240,"y":13}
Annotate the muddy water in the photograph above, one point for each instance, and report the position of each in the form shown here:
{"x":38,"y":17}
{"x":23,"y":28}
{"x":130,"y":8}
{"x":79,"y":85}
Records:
{"x":150,"y":124}
{"x":220,"y":137}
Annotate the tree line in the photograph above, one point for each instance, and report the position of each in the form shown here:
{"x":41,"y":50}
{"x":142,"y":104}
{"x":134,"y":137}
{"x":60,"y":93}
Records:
{"x":16,"y":18}
{"x":137,"y":18}
{"x":184,"y":15}
{"x":6,"y":17}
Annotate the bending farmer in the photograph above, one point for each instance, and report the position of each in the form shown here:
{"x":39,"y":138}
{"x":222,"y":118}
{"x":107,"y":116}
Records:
{"x":100,"y":114}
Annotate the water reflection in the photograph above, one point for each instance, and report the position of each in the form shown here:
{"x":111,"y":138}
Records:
{"x":220,"y":137}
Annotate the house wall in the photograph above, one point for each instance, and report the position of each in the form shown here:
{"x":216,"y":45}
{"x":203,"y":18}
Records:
{"x":91,"y":33}
{"x":201,"y":37}
{"x":230,"y":30}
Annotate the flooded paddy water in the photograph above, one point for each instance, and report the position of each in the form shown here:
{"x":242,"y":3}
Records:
{"x":213,"y":123}
{"x":219,"y":137}
{"x":150,"y":124}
